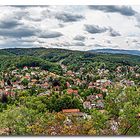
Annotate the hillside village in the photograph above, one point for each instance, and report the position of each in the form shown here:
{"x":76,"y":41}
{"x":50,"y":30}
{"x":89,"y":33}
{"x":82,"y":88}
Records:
{"x":45,"y":83}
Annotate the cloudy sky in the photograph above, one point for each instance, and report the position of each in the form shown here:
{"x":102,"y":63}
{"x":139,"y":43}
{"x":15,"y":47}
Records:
{"x":70,"y":27}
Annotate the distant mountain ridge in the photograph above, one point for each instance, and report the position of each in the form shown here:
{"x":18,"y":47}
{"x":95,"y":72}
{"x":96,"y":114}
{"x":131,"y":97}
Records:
{"x":116,"y":51}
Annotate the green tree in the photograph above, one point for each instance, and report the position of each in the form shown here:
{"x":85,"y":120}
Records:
{"x":25,"y":82}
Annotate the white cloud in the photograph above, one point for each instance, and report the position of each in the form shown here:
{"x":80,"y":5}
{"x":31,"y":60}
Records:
{"x":57,"y":26}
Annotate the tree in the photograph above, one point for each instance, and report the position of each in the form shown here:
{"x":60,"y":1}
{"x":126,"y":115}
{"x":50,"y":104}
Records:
{"x":25,"y":82}
{"x":4,"y":98}
{"x":129,"y":123}
{"x":15,"y":120}
{"x":99,"y":120}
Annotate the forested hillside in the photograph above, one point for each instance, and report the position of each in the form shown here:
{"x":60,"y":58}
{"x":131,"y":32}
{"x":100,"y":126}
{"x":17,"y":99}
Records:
{"x":70,"y":57}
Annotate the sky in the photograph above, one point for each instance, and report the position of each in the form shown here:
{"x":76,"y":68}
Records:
{"x":70,"y":27}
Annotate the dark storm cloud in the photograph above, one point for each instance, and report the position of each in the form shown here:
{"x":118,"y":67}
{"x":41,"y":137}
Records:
{"x":123,"y":10}
{"x":79,"y":37}
{"x":68,"y":17}
{"x":50,"y":34}
{"x":18,"y":32}
{"x":113,"y":33}
{"x":93,"y":29}
{"x":9,"y":23}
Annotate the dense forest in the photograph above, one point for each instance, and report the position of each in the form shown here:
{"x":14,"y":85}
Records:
{"x":64,"y":92}
{"x":70,"y":58}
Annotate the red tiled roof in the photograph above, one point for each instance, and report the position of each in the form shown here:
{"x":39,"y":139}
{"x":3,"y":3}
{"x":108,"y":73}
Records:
{"x":68,"y":84}
{"x":99,"y":101}
{"x":99,"y":95}
{"x":75,"y":91}
{"x":27,"y":77}
{"x":15,"y":83}
{"x":90,"y":84}
{"x":70,"y":110}
{"x":33,"y":80}
{"x":9,"y":93}
{"x":25,"y":67}
{"x":70,"y":91}
{"x":45,"y":84}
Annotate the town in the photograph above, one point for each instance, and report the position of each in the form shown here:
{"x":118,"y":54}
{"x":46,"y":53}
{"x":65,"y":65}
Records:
{"x":46,"y":83}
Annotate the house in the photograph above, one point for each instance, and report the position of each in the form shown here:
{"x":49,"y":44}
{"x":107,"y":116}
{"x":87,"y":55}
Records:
{"x":7,"y":88}
{"x":68,"y":84}
{"x":70,"y":73}
{"x":52,"y":74}
{"x":87,"y":105}
{"x":14,"y":72}
{"x":138,"y":115}
{"x":74,"y":112}
{"x":119,"y":69}
{"x":71,"y":91}
{"x":25,"y":68}
{"x":34,"y":81}
{"x":103,"y":81}
{"x":93,"y":105}
{"x":48,"y":93}
{"x":70,"y":110}
{"x":9,"y":93}
{"x":33,"y":73}
{"x":17,"y":86}
{"x":78,"y":81}
{"x":100,"y":104}
{"x":27,"y":77}
{"x":130,"y":83}
{"x":137,"y":75}
{"x":15,"y":83}
{"x":45,"y":85}
{"x":104,"y":90}
{"x":91,"y":97}
{"x":99,"y":96}
{"x":131,"y":69}
{"x":57,"y":88}
{"x":127,"y":82}
{"x":20,"y":87}
{"x":90,"y":84}
{"x":75,"y":92}
{"x":36,"y":68}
